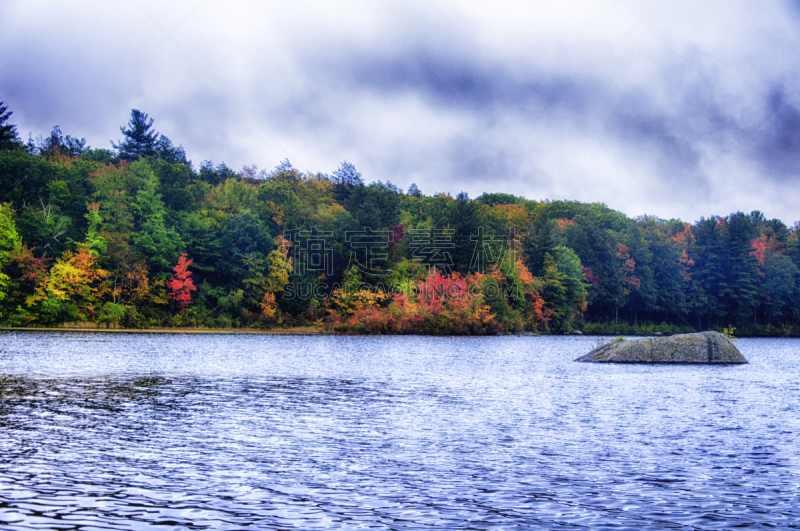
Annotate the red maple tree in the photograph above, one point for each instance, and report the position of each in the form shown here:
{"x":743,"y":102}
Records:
{"x":438,"y":289}
{"x":180,"y":284}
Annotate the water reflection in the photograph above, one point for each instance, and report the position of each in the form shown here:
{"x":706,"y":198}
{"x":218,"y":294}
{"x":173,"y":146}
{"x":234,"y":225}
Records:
{"x":398,"y":433}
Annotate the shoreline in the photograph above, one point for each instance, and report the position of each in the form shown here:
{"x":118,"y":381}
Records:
{"x":312,"y":331}
{"x":299,"y":330}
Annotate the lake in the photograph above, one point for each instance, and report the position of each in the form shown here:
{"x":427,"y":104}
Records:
{"x":137,"y":431}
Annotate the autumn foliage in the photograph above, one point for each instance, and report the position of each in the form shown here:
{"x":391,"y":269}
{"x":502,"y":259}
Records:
{"x":76,"y":282}
{"x":180,"y":284}
{"x":438,"y":304}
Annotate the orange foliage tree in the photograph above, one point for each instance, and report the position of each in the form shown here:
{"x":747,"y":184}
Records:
{"x":629,"y":280}
{"x":685,"y":238}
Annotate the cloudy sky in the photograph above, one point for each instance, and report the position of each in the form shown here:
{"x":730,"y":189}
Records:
{"x":668,"y":108}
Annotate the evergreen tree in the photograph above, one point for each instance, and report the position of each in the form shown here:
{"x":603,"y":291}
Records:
{"x":709,"y":280}
{"x":283,"y":169}
{"x":465,"y":220}
{"x":778,"y":284}
{"x":51,"y":145}
{"x":76,"y":146}
{"x":348,"y":174}
{"x":344,"y":179}
{"x":9,"y":139}
{"x":741,"y":270}
{"x":58,"y":143}
{"x":140,"y":138}
{"x":211,"y":175}
{"x":168,"y":152}
{"x":414,"y":190}
{"x":539,"y":242}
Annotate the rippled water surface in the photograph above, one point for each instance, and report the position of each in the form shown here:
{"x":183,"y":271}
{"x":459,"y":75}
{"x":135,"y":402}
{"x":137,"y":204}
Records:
{"x":119,"y":431}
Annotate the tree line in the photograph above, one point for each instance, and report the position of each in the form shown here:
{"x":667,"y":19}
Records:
{"x":136,"y":236}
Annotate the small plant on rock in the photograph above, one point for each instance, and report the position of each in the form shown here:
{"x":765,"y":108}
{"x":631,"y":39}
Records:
{"x":728,"y":332}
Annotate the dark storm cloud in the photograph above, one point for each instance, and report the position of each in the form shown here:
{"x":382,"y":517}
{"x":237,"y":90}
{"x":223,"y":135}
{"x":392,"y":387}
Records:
{"x":662,"y":136}
{"x":778,"y":147}
{"x":461,"y":82}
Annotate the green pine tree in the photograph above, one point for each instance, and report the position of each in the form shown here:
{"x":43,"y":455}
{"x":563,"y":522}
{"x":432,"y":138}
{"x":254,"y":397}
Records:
{"x":140,"y":138}
{"x":9,"y":139}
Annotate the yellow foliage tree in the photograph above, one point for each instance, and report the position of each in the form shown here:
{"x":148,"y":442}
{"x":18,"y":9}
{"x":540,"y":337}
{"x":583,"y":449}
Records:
{"x":76,"y":278}
{"x":280,"y":266}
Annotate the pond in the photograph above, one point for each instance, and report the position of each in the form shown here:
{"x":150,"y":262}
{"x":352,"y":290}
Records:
{"x":214,"y":431}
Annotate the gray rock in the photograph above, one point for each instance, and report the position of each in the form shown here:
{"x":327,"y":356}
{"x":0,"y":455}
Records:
{"x":703,"y":347}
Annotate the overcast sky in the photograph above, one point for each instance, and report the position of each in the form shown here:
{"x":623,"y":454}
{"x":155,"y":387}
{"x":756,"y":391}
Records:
{"x":674,"y":109}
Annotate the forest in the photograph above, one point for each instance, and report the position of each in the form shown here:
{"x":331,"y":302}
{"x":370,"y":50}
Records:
{"x":136,"y":236}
